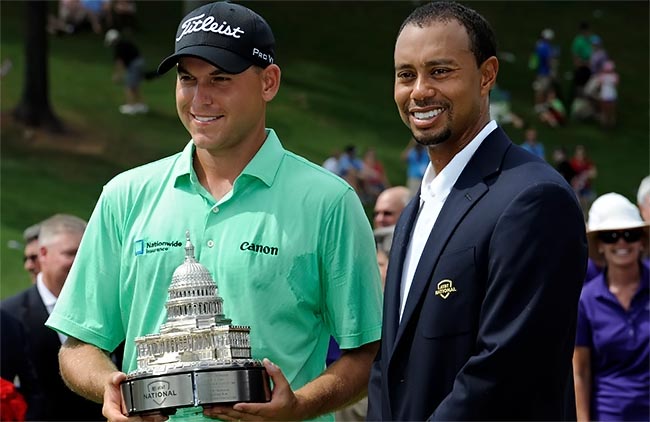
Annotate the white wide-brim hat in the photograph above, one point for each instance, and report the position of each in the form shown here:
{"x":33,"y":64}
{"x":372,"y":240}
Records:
{"x":608,"y":212}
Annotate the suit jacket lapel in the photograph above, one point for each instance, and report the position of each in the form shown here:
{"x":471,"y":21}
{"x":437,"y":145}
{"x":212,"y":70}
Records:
{"x":36,"y":305}
{"x":395,"y":266}
{"x":467,"y":191}
{"x":37,"y":315}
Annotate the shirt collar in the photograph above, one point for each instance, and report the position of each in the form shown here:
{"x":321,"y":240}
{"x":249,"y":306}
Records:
{"x":264,"y":165}
{"x":183,"y":164}
{"x":49,"y":300}
{"x":266,"y":162}
{"x":439,"y":185}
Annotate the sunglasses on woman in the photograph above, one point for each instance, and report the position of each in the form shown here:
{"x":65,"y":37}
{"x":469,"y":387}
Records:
{"x":630,"y":236}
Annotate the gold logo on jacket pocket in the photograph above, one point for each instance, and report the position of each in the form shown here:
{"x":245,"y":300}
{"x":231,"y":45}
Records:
{"x":445,"y":288}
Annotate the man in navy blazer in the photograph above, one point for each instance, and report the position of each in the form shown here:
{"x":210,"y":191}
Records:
{"x":30,"y":349}
{"x":487,"y":260}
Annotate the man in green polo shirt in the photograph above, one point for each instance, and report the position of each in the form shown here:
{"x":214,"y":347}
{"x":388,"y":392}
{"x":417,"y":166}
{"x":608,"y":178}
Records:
{"x":287,"y":242}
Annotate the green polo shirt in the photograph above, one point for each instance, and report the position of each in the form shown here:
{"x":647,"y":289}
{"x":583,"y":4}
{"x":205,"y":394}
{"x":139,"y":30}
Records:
{"x":290,"y":249}
{"x":581,"y":47}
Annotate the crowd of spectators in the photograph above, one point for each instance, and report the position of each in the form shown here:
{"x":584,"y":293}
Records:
{"x":613,"y":343}
{"x":592,"y":96}
{"x":73,"y":16}
{"x":366,"y":174}
{"x":116,"y":21}
{"x":593,"y":92}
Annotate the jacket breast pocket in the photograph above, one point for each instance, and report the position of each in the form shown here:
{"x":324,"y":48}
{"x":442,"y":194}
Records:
{"x":450,"y":307}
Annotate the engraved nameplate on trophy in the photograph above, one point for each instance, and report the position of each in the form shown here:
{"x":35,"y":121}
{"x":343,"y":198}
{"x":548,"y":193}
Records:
{"x":198,"y":357}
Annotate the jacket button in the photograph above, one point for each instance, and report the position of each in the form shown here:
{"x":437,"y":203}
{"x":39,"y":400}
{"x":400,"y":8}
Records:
{"x":402,"y":381}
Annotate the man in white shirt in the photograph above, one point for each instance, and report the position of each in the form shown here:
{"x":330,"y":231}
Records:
{"x":29,"y":349}
{"x":487,"y":260}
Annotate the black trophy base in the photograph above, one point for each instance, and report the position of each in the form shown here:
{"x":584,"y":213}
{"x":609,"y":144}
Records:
{"x":195,"y":387}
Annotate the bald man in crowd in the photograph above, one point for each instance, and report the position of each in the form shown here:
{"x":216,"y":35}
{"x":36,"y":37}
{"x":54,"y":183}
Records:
{"x":389,"y":206}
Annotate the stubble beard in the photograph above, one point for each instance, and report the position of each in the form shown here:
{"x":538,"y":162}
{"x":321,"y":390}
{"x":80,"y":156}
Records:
{"x":435,"y":139}
{"x":429,"y":140}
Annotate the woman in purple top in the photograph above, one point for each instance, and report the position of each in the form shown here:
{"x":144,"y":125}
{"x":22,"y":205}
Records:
{"x":612,"y":352}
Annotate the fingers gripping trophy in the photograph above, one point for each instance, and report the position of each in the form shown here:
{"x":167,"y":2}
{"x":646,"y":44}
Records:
{"x":199,"y":357}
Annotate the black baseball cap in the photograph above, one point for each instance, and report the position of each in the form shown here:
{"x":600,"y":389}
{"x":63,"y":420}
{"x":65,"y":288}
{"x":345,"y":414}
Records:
{"x":226,"y":35}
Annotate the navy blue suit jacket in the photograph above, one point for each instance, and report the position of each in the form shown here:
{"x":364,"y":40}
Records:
{"x":488,"y":328}
{"x":30,"y":351}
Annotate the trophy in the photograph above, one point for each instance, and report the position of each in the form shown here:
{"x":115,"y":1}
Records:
{"x":199,"y":357}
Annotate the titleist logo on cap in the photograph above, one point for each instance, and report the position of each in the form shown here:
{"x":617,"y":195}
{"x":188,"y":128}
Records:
{"x":198,"y":24}
{"x":227,"y":35}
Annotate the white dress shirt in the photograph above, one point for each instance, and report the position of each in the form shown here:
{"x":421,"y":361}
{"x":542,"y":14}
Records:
{"x":433,"y":193}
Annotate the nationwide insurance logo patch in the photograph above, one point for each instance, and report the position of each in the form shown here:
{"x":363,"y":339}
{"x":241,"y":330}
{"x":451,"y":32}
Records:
{"x":142,"y":247}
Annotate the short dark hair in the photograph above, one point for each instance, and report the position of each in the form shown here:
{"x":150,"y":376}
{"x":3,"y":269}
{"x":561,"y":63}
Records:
{"x":482,"y":40}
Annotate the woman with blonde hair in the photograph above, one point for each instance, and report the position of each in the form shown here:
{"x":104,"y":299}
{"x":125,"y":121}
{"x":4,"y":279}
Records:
{"x":612,"y":351}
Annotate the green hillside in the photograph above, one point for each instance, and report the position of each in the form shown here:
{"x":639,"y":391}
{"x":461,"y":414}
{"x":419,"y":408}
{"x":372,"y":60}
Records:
{"x":336,"y":59}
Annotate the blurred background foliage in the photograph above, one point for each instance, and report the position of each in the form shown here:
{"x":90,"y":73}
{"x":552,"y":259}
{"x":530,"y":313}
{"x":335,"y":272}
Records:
{"x":337,"y":82}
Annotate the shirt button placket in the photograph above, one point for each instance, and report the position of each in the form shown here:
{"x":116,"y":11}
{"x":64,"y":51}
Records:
{"x":214,"y":210}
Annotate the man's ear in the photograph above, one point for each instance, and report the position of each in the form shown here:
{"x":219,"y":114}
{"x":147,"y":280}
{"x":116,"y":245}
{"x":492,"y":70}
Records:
{"x":270,"y":81}
{"x":42,"y":253}
{"x":489,"y":70}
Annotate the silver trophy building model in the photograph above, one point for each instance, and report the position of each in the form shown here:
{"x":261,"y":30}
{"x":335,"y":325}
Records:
{"x":198,"y":357}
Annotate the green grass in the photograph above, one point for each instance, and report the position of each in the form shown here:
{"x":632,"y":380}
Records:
{"x":336,"y":59}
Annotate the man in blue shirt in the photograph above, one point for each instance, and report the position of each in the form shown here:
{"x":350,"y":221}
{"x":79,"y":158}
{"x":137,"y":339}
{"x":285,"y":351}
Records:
{"x":532,"y":145}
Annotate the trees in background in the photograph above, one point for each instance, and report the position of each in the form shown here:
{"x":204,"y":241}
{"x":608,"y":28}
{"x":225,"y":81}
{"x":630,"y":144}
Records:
{"x":34,"y":107}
